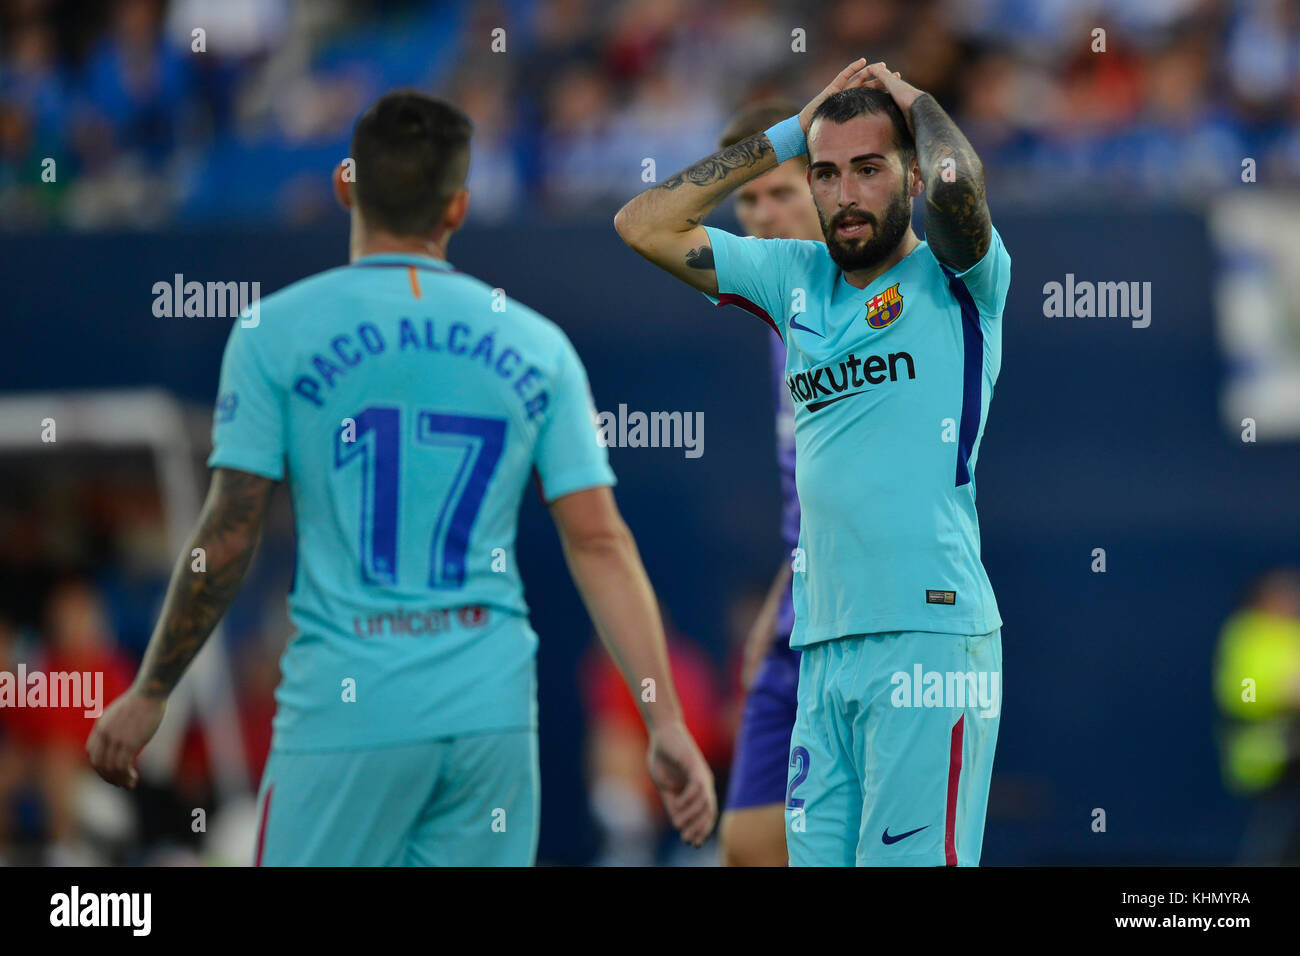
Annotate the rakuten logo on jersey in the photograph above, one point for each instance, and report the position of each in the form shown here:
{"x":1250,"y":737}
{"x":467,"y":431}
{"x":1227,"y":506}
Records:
{"x":828,"y":384}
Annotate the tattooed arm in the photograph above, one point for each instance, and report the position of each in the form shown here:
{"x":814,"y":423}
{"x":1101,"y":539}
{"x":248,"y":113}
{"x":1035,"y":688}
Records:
{"x":957,"y":223}
{"x":664,"y":222}
{"x":228,"y":532}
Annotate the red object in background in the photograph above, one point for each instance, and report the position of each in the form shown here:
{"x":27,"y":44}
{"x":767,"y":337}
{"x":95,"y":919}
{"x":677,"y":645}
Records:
{"x":608,"y":699}
{"x":69,"y":727}
{"x":255,"y":716}
{"x":256,"y":711}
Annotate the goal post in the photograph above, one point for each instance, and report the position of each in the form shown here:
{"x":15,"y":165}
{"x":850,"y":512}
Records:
{"x":149,"y":420}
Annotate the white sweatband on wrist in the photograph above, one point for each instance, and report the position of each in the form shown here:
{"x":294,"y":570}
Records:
{"x":787,"y":139}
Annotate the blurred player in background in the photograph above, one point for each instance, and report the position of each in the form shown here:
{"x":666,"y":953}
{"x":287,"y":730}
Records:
{"x":775,"y":205}
{"x":412,"y":403}
{"x":1257,"y":686}
{"x":893,"y":346}
{"x":48,"y":742}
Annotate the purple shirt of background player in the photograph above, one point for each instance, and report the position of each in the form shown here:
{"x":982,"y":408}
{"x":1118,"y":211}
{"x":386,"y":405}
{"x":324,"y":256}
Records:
{"x":785,"y":459}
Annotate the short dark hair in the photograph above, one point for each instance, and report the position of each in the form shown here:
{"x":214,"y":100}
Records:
{"x":859,"y":101}
{"x":412,"y":155}
{"x":755,"y":118}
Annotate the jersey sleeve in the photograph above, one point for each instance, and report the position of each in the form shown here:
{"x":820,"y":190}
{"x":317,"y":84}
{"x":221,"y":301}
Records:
{"x":569,"y":456}
{"x":989,"y":279}
{"x":248,"y":424}
{"x":751,"y":275}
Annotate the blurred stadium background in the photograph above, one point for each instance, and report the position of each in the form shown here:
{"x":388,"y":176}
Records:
{"x":1169,"y":158}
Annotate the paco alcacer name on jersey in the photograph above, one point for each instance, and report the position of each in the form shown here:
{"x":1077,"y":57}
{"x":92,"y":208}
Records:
{"x":826,"y":384}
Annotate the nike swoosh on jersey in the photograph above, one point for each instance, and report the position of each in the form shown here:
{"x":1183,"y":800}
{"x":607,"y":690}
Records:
{"x":804,"y":328}
{"x":886,"y":839}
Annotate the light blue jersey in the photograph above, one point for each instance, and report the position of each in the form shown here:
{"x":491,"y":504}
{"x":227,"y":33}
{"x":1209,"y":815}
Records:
{"x":891,"y":386}
{"x":407,"y":405}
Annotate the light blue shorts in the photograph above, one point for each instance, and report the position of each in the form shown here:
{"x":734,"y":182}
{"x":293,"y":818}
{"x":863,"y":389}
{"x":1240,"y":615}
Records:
{"x":472,"y":800}
{"x":892,"y":751}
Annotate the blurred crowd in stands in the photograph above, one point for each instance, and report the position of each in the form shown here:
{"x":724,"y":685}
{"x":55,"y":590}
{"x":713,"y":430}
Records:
{"x":235,"y":110}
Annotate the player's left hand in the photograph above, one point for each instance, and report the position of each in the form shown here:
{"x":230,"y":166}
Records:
{"x":121,"y":733}
{"x":685,"y":782}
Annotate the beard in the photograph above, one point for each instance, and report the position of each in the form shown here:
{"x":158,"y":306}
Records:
{"x":854,"y":254}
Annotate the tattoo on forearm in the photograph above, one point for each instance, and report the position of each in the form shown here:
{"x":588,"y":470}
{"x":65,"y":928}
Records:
{"x":196,"y":600}
{"x":717,"y":167}
{"x":701,"y":258}
{"x":957,"y":223}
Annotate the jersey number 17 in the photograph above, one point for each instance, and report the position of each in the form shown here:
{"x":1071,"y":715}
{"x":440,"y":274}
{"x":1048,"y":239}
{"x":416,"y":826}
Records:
{"x":378,"y":447}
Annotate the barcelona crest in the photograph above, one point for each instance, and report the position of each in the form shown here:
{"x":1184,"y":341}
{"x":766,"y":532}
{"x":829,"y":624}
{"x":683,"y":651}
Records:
{"x":884,"y":308}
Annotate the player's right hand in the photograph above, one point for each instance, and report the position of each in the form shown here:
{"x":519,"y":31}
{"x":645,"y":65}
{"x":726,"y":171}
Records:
{"x":855,"y":74}
{"x":685,"y":782}
{"x":121,"y":733}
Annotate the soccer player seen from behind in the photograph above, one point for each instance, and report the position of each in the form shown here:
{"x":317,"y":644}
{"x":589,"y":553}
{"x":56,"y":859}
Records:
{"x":775,"y":205}
{"x":407,"y":405}
{"x":892,"y":348}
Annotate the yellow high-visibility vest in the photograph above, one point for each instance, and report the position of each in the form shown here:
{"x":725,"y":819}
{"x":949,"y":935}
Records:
{"x":1257,"y":667}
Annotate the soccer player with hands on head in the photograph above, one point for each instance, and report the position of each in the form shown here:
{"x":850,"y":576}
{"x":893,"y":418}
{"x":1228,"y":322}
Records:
{"x":892,"y":347}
